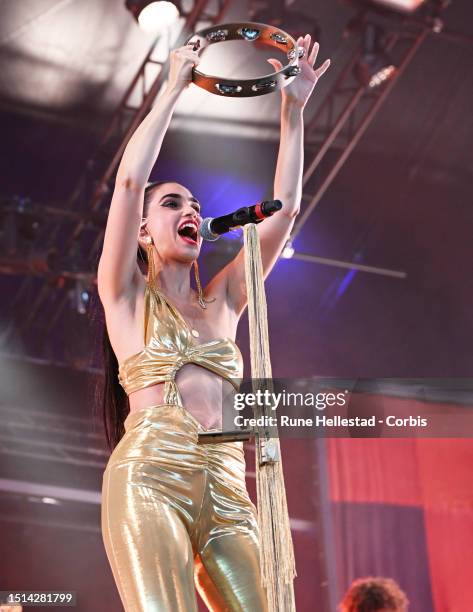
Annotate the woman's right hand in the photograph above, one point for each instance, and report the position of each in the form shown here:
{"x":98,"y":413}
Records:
{"x":181,"y":62}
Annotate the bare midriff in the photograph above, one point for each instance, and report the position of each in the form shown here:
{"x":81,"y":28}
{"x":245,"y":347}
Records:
{"x":201,"y":391}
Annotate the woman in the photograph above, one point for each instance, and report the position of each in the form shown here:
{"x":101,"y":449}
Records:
{"x":174,"y":511}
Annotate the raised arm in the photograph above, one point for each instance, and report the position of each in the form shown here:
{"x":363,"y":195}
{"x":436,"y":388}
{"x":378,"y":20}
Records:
{"x":117,"y":265}
{"x":274,"y":231}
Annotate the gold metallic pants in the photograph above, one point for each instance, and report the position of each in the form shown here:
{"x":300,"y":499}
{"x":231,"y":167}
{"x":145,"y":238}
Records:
{"x":175,"y":513}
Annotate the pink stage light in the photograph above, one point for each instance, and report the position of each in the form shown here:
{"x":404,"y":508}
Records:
{"x":403,"y":6}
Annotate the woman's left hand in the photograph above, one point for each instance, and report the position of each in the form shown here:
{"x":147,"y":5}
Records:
{"x":300,"y":89}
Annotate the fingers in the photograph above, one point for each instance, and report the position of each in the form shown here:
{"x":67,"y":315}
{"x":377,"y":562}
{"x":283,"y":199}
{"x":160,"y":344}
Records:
{"x":304,"y":42}
{"x":195,"y":44}
{"x":300,"y":45}
{"x":313,"y":54}
{"x":307,"y":44}
{"x":319,"y":72}
{"x":276,"y":64}
{"x":188,"y":54}
{"x":186,"y":49}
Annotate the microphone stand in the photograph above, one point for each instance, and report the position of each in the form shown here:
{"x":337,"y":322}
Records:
{"x":211,"y":437}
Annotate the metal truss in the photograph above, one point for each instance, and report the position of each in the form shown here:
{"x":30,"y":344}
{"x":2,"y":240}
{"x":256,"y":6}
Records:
{"x":342,"y":119}
{"x":95,"y":186}
{"x":350,"y":107}
{"x":348,"y":110}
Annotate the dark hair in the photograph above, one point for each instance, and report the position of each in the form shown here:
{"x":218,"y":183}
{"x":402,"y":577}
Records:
{"x":111,"y":395}
{"x":148,"y":197}
{"x":371,"y":594}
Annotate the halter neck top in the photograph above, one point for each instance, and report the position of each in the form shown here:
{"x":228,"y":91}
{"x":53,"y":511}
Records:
{"x":169,"y":344}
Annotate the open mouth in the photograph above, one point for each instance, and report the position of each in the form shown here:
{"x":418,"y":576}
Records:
{"x":188,"y":232}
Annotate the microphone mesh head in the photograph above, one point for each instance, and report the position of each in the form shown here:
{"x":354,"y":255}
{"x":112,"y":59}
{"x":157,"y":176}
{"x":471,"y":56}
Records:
{"x":206,"y":232}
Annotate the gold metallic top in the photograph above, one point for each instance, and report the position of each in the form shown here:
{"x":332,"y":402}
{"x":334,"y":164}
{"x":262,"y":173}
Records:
{"x":169,"y":344}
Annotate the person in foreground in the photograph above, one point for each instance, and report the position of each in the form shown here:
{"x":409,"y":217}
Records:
{"x":374,"y":595}
{"x":175,"y":512}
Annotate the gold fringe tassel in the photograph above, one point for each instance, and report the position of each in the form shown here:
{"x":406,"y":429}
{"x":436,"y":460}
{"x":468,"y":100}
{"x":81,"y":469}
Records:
{"x":278,"y":568}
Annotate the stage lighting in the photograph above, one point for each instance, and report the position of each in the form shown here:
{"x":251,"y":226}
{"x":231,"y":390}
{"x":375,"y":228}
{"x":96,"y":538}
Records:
{"x":281,"y":14}
{"x":50,"y":500}
{"x":374,"y":67}
{"x":288,"y":250}
{"x":153,"y":16}
{"x":382,"y":75}
{"x":403,"y":6}
{"x":81,"y":297}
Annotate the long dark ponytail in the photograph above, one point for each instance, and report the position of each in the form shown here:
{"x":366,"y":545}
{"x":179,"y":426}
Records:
{"x":109,"y":393}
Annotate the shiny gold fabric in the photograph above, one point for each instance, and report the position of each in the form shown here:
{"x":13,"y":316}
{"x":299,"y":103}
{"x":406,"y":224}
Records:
{"x":173,"y":512}
{"x":169,"y":344}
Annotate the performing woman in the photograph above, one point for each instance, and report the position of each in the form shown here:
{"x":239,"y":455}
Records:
{"x":176,"y":513}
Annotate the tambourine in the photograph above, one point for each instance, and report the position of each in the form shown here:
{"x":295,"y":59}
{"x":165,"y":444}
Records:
{"x":249,"y":32}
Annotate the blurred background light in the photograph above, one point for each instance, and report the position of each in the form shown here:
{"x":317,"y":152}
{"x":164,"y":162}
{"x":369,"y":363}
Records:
{"x":153,"y":17}
{"x":288,"y":251}
{"x":380,"y":76}
{"x":374,"y":66}
{"x":50,"y":500}
{"x":404,"y":6}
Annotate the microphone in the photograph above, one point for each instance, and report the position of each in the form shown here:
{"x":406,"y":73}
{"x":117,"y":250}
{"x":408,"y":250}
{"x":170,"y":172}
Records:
{"x":211,"y":229}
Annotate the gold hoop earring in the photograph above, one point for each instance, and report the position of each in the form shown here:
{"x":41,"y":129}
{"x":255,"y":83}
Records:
{"x":202,"y":301}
